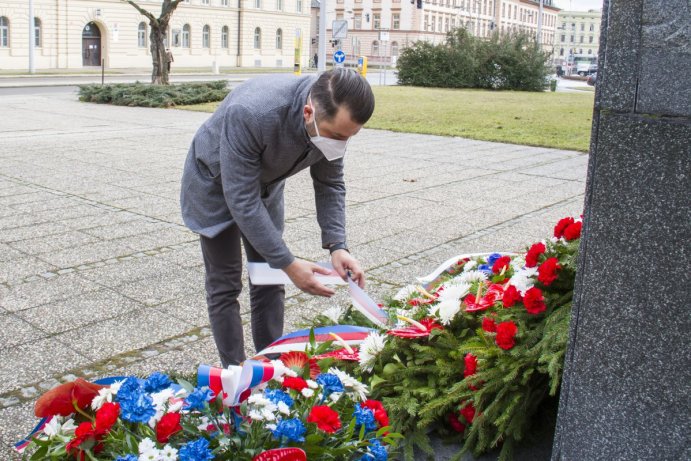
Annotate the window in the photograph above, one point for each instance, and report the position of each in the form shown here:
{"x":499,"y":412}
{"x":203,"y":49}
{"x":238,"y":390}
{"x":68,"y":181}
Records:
{"x":590,"y":51}
{"x":357,"y":22}
{"x":257,"y":3}
{"x":580,"y":51}
{"x":582,"y":38}
{"x":375,"y":48}
{"x":298,"y":6}
{"x":279,"y":5}
{"x":4,"y":32}
{"x":572,"y":39}
{"x":141,"y":35}
{"x":176,"y":37}
{"x":206,"y":37}
{"x":224,"y":37}
{"x":37,"y":32}
{"x":377,"y":21}
{"x":257,"y":38}
{"x":279,"y":39}
{"x":426,"y":22}
{"x":563,"y":38}
{"x":439,"y":24}
{"x":503,"y":10}
{"x":186,"y":36}
{"x":561,"y":52}
{"x":582,"y":27}
{"x":446,"y":25}
{"x":396,"y":21}
{"x":590,"y":39}
{"x":205,"y":2}
{"x":224,"y":2}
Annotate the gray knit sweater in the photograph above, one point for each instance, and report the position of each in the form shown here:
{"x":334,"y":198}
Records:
{"x":239,"y":159}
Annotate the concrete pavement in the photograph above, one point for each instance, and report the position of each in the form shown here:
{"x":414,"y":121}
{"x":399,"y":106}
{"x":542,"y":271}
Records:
{"x":98,"y":276}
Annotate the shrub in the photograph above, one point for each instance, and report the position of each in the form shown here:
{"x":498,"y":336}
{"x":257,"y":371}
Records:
{"x":505,"y":62}
{"x":147,"y":95}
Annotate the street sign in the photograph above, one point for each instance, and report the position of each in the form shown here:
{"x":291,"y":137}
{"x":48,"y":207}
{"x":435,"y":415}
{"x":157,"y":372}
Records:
{"x":339,"y":57}
{"x":339,"y":28}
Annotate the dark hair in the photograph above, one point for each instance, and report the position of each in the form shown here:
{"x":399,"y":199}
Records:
{"x":343,"y":87}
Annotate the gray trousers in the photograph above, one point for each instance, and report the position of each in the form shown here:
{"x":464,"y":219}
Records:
{"x":223,"y":262}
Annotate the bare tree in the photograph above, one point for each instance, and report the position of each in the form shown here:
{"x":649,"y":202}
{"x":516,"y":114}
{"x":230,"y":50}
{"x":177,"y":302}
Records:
{"x":157,"y":36}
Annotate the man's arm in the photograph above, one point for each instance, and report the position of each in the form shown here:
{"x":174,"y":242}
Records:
{"x":329,"y":196}
{"x":240,"y":156}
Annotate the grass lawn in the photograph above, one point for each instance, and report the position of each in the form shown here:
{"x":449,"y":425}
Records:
{"x":558,"y":120}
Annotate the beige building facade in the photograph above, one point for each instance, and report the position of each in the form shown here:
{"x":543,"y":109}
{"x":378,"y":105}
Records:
{"x":73,"y":34}
{"x":578,"y":33}
{"x":379,"y":29}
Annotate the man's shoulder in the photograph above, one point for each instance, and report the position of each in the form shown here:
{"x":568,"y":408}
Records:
{"x":264,"y":94}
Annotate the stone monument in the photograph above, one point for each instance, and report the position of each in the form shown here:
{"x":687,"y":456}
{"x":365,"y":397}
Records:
{"x":627,"y":380}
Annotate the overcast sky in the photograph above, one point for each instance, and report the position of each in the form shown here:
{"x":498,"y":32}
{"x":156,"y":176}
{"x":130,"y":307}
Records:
{"x":579,"y":5}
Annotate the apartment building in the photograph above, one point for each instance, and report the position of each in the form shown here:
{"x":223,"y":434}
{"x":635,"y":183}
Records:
{"x":379,"y":29}
{"x":578,"y":32}
{"x":83,"y":33}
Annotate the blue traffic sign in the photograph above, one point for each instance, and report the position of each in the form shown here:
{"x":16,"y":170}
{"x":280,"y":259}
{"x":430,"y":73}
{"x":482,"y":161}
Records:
{"x":339,"y":57}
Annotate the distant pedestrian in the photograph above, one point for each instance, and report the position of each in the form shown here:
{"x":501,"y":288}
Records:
{"x":169,"y":58}
{"x":316,"y":60}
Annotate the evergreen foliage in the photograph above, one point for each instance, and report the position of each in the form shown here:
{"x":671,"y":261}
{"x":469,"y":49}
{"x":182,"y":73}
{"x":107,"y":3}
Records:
{"x":504,"y":62}
{"x":467,"y":381}
{"x":146,"y":95}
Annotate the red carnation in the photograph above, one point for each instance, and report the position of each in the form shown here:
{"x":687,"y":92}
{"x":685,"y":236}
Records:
{"x":561,"y":226}
{"x":511,"y":296}
{"x":573,"y":231}
{"x":488,"y":325}
{"x":379,"y":411}
{"x":534,"y":301}
{"x":456,"y":423}
{"x":294,"y":383}
{"x":547,"y":272}
{"x":106,"y":417}
{"x":325,"y":418}
{"x":84,"y":434}
{"x":501,"y":264}
{"x":468,"y":413}
{"x":506,"y":331}
{"x":167,"y":426}
{"x":534,"y":253}
{"x":470,"y":365}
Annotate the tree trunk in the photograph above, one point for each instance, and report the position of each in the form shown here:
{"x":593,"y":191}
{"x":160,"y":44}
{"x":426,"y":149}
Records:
{"x":159,"y":73}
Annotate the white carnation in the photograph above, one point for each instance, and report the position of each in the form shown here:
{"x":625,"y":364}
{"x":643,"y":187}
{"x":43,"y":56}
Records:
{"x":105,"y":394}
{"x":405,"y":292}
{"x":312,"y":384}
{"x":472,"y":276}
{"x":334,"y":313}
{"x":283,"y":408}
{"x":469,"y":266}
{"x":454,"y":292}
{"x":307,"y":392}
{"x":357,"y":389}
{"x":448,"y":310}
{"x":146,"y":445}
{"x":370,"y":348}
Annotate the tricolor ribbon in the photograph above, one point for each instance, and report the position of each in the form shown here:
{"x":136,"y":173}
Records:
{"x":299,"y":340}
{"x":235,"y":383}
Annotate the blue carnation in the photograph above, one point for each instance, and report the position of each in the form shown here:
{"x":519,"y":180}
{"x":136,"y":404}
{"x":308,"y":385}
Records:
{"x":157,"y":382}
{"x":330,"y":383}
{"x":127,"y":458}
{"x":196,"y":451}
{"x":130,"y":388}
{"x":277,"y":395}
{"x":365,"y":416}
{"x":377,"y":452}
{"x":198,"y":397}
{"x":137,"y":408}
{"x":292,"y":429}
{"x":486,"y":268}
{"x":491,"y":259}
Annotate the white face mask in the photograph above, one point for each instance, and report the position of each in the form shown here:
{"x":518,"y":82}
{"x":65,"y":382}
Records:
{"x":331,"y":148}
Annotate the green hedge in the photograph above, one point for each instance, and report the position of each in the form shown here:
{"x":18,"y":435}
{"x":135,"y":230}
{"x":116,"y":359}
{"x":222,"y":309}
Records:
{"x":147,"y":95}
{"x":504,"y":62}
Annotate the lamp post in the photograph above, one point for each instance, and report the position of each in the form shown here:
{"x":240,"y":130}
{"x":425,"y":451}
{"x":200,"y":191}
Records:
{"x":539,"y":26}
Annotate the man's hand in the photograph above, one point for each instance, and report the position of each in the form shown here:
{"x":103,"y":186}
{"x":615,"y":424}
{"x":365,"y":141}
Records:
{"x":302,"y":275}
{"x":343,"y":262}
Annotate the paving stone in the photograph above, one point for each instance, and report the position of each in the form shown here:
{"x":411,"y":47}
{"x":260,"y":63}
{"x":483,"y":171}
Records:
{"x":16,"y":331}
{"x":79,"y":312}
{"x":42,"y":291}
{"x":14,"y":270}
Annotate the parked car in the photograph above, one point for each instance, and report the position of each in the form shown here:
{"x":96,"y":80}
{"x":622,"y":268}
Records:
{"x":592,"y":79}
